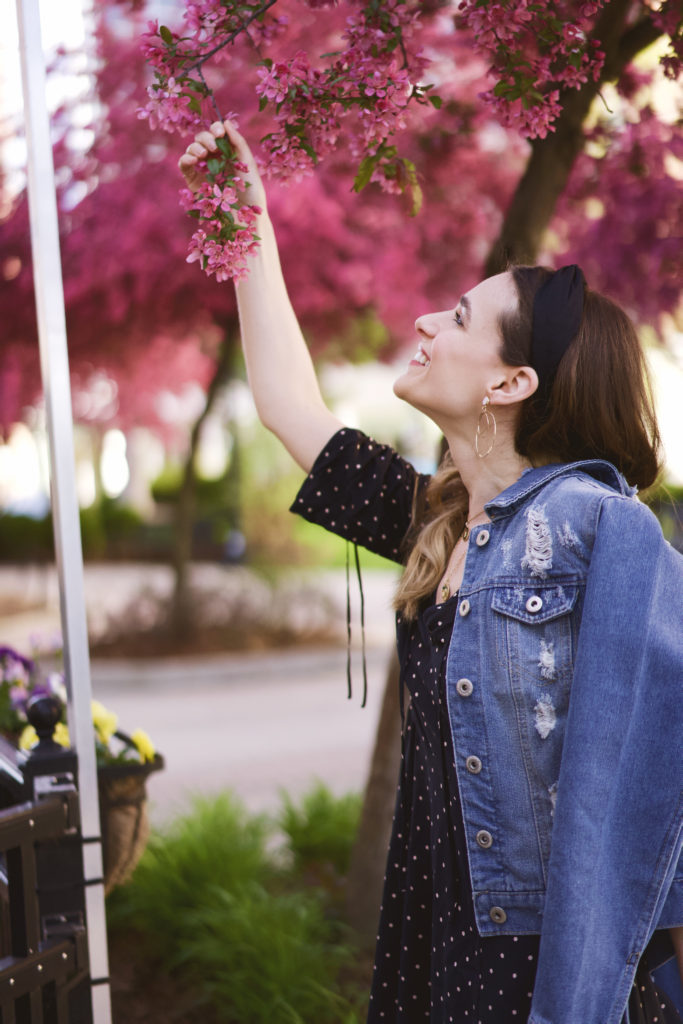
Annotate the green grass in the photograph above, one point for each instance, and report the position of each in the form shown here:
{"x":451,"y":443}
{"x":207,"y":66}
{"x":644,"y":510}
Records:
{"x":242,"y":918}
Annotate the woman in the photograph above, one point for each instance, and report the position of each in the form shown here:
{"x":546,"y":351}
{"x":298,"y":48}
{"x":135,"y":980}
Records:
{"x":533,"y":864}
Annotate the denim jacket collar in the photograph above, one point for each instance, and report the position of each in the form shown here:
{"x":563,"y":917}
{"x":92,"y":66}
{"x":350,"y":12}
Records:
{"x":532,"y":480}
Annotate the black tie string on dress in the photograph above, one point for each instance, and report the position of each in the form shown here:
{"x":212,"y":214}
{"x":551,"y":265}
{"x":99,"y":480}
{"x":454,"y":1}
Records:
{"x":348,"y":626}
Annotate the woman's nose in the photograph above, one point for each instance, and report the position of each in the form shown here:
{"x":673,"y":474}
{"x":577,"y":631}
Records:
{"x":426,"y":326}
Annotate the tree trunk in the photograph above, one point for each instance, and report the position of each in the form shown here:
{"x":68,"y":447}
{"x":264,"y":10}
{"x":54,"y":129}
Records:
{"x":366,"y":872}
{"x":181,"y":618}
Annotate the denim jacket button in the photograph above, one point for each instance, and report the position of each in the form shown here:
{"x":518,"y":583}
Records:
{"x":498,"y":915}
{"x":473,"y":765}
{"x":464,"y":687}
{"x":464,"y":608}
{"x":482,"y":538}
{"x":484,"y":838}
{"x":534,"y":604}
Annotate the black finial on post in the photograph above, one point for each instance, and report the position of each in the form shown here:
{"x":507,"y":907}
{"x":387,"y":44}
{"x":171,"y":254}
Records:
{"x":44,"y":712}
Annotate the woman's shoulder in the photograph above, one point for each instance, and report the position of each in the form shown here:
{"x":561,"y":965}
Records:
{"x":601,"y":516}
{"x":584,"y":487}
{"x":569,"y":507}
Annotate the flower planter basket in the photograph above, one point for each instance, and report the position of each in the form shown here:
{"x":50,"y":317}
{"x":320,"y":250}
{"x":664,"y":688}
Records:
{"x":124,"y":817}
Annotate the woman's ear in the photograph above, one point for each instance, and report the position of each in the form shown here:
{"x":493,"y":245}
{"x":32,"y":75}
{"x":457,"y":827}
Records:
{"x":518,"y":384}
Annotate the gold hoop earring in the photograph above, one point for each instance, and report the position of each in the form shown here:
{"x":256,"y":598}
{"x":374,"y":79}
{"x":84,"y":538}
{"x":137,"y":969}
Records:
{"x":485,"y":423}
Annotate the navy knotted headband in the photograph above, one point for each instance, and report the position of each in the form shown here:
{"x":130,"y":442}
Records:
{"x":557,"y":313}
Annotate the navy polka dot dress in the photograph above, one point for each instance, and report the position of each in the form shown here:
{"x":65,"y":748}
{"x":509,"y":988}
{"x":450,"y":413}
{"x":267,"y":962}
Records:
{"x":430,"y":962}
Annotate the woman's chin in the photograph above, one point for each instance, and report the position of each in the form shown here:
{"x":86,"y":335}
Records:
{"x":403,"y":385}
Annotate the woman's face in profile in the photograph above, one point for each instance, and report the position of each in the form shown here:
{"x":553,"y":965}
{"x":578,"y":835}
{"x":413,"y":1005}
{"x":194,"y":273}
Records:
{"x":457,"y":359}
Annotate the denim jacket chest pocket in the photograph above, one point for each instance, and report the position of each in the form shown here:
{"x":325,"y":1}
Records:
{"x":535,"y":631}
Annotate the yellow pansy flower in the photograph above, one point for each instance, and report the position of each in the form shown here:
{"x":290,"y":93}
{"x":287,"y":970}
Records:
{"x":28,"y":737}
{"x":144,"y":745}
{"x":105,"y":721}
{"x":61,"y":735}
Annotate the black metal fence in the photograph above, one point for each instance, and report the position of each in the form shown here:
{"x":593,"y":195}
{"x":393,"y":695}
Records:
{"x":44,"y":973}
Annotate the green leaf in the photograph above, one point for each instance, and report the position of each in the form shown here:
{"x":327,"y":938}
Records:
{"x":308,"y":149}
{"x":502,"y":89}
{"x":416,"y":197}
{"x":263,"y":103}
{"x":166,"y":35}
{"x":225,"y":146}
{"x":194,"y":104}
{"x":436,"y":102}
{"x":365,"y":171}
{"x":214,"y":165}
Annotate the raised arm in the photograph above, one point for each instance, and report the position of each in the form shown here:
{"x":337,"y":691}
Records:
{"x":279,"y":365}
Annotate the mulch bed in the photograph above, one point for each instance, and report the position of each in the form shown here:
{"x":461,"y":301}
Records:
{"x":142,"y":992}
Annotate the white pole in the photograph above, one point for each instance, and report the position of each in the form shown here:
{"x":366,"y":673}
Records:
{"x":47,"y":274}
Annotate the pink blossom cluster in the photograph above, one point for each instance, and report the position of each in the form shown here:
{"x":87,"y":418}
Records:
{"x":535,"y":52}
{"x":173,"y":105}
{"x":179,"y":90}
{"x":226,"y":235}
{"x":369,"y":81}
{"x":169,"y":108}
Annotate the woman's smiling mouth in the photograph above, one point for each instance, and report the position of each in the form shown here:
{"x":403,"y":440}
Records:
{"x":420,"y":358}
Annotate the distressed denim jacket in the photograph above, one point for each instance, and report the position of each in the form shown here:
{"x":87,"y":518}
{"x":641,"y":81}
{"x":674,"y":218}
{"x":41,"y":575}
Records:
{"x":563,"y":685}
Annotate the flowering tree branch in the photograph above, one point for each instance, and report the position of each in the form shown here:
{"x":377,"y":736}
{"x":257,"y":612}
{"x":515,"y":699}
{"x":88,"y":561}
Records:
{"x":539,"y":52}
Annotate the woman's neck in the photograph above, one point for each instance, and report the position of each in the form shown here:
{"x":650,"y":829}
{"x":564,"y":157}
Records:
{"x":486,"y":478}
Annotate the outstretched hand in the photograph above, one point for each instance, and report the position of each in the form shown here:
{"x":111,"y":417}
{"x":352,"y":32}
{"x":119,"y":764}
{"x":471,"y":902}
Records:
{"x":253,"y":192}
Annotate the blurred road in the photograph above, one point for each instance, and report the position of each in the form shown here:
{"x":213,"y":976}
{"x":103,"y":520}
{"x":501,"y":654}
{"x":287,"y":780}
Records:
{"x":255,"y":722}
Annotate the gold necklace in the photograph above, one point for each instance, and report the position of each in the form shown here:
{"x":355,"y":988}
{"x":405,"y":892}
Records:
{"x":445,"y":588}
{"x":468,"y":522}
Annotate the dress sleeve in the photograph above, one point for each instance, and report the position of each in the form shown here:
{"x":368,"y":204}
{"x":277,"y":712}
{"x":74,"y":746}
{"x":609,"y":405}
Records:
{"x":363,"y":491}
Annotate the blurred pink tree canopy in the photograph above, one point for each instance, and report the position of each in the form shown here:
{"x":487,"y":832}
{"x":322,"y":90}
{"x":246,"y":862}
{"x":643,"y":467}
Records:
{"x":484,"y":113}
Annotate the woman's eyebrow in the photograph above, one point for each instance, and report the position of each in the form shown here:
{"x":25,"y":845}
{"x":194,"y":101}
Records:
{"x":467,"y":306}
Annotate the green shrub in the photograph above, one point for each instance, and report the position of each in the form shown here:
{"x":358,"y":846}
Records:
{"x":23,"y":538}
{"x":120,"y":520}
{"x":268,"y":959}
{"x":210,"y":900}
{"x":217,"y":844}
{"x":322,"y":829}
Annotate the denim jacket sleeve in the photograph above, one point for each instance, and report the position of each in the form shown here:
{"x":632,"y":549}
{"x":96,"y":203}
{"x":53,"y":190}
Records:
{"x":616,"y":837}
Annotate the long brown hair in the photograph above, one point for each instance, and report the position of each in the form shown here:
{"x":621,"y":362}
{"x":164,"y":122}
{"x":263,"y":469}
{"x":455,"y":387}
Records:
{"x":599,"y":406}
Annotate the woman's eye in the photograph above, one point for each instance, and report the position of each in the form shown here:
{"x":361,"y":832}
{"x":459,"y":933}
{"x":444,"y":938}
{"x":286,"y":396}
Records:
{"x":457,"y":316}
